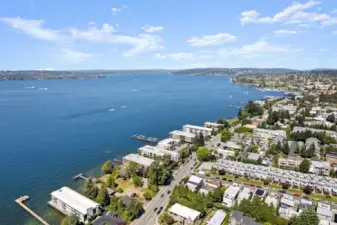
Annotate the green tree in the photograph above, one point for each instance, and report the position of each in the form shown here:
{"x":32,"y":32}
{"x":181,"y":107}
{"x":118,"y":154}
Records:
{"x":279,"y":147}
{"x":240,"y":117}
{"x":166,"y":219}
{"x":311,"y":151}
{"x":110,"y":182}
{"x":226,"y":135}
{"x":90,"y":190}
{"x":159,"y":174}
{"x":272,"y":149}
{"x":203,"y":154}
{"x":286,"y":148}
{"x":308,"y":216}
{"x":70,"y":220}
{"x":137,"y":181}
{"x":107,"y":167}
{"x":131,"y":168}
{"x":103,"y":196}
{"x":304,"y":166}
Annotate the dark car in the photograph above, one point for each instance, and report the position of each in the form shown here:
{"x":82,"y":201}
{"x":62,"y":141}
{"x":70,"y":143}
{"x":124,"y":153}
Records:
{"x":155,"y":209}
{"x":160,"y":209}
{"x":282,"y":191}
{"x":168,"y":192}
{"x":162,"y":195}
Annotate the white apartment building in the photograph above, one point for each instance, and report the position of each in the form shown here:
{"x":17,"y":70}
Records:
{"x":230,"y":195}
{"x":184,"y":214}
{"x":289,"y":107}
{"x":182,"y":136}
{"x":324,"y":212}
{"x":151,"y":151}
{"x":313,"y":130}
{"x":265,"y":134}
{"x":197,"y":130}
{"x":69,"y":202}
{"x":140,"y":160}
{"x":168,"y":144}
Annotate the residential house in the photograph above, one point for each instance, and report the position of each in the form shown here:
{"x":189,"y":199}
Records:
{"x":230,"y":195}
{"x":287,"y":205}
{"x":245,"y":193}
{"x":320,"y":168}
{"x":272,"y":199}
{"x":194,"y":183}
{"x":304,"y":204}
{"x":237,"y":218}
{"x":324,"y":212}
{"x":217,"y":218}
{"x":184,"y":214}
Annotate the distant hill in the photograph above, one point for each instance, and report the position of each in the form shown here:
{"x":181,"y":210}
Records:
{"x":232,"y":71}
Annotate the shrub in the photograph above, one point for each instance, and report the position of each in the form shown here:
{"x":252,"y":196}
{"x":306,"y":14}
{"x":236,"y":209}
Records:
{"x":266,"y":182}
{"x":119,"y":190}
{"x":222,"y":172}
{"x":285,"y":186}
{"x":308,"y":190}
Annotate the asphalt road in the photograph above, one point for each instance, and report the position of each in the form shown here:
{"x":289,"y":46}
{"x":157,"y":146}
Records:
{"x":149,"y":217}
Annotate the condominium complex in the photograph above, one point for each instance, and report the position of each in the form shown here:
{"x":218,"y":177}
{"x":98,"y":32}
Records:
{"x":69,"y":202}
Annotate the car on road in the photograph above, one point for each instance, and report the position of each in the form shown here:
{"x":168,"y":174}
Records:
{"x":160,"y":209}
{"x":155,"y":209}
{"x":192,"y":168}
{"x":162,"y":195}
{"x":169,"y":191}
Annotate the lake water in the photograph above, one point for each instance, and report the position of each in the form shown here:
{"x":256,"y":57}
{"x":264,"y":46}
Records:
{"x":52,"y":130}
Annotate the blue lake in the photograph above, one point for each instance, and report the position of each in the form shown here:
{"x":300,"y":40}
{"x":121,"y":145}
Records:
{"x":52,"y":130}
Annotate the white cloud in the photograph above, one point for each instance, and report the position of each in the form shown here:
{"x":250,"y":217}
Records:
{"x":176,"y":56}
{"x":114,"y":11}
{"x":283,"y":32}
{"x":304,"y":25}
{"x":72,"y":56}
{"x":45,"y":69}
{"x":93,"y":34}
{"x":216,"y":39}
{"x":259,"y":48}
{"x":33,"y":28}
{"x":152,"y":29}
{"x":291,"y":14}
{"x":330,"y":22}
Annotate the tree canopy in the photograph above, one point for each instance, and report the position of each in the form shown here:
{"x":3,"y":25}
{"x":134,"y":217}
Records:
{"x":203,"y":154}
{"x":305,"y":166}
{"x":70,"y":220}
{"x":107,"y":167}
{"x":90,"y":190}
{"x":308,"y":216}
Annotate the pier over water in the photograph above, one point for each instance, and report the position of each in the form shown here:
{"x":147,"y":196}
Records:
{"x":21,"y":201}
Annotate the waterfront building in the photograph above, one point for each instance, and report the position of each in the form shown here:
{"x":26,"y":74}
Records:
{"x":211,"y":125}
{"x":140,"y":160}
{"x":168,"y":144}
{"x":182,"y":136}
{"x":197,"y":130}
{"x":69,"y":202}
{"x":152,"y":151}
{"x":184,"y":214}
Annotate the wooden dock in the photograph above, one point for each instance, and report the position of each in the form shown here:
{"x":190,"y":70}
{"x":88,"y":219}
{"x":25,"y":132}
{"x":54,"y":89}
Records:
{"x":80,"y":175}
{"x":21,"y":200}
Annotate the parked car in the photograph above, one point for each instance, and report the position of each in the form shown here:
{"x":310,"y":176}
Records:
{"x":282,"y":191}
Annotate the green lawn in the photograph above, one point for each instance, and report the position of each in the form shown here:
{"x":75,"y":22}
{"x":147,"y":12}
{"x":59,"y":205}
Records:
{"x":275,"y":186}
{"x":295,"y":191}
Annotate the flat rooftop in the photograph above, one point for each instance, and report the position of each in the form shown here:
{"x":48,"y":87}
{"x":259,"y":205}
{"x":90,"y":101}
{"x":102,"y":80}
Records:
{"x":138,"y":159}
{"x":74,"y":199}
{"x":184,"y":212}
{"x":183,"y":133}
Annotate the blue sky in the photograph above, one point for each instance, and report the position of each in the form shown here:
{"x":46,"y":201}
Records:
{"x":130,"y":34}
